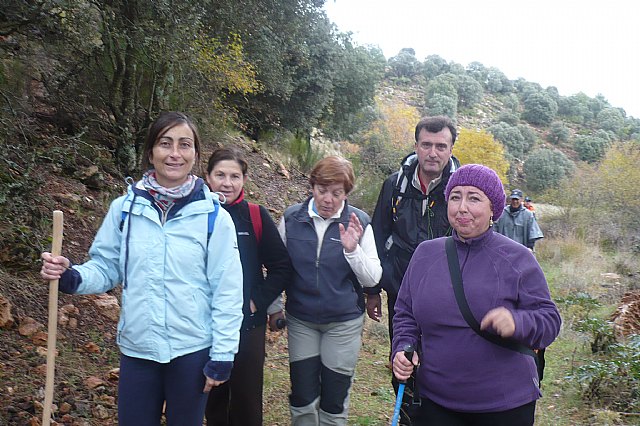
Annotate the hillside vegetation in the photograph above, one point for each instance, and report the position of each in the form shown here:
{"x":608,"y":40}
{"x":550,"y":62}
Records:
{"x":80,"y":82}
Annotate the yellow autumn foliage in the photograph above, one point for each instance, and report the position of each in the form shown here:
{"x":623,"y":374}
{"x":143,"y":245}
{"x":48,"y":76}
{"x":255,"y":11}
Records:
{"x":223,"y":65}
{"x":397,"y":123}
{"x":479,"y":147}
{"x":619,"y":170}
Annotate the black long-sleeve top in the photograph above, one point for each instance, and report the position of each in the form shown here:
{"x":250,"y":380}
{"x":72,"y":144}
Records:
{"x":270,"y":253}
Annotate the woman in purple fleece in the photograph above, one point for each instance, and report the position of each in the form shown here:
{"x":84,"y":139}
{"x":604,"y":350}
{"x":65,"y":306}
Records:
{"x":464,"y":379}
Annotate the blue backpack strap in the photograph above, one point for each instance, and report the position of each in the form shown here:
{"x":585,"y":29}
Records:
{"x":126,"y":244}
{"x":212,"y":220}
{"x":129,"y":181}
{"x":123,"y":219}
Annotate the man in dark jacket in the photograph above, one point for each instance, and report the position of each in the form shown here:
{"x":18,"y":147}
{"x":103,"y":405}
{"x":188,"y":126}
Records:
{"x":411,"y":208}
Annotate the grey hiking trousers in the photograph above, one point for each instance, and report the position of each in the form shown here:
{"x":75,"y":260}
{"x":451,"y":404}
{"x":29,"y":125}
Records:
{"x":322,"y":362}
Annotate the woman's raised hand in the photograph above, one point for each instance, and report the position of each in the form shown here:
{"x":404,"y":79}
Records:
{"x":350,"y":236}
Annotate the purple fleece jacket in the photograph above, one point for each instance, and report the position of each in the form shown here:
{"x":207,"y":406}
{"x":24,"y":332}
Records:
{"x":459,"y":369}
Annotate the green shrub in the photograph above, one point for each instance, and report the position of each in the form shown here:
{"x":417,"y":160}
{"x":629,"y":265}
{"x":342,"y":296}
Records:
{"x":305,"y":155}
{"x":440,"y":104}
{"x":590,"y":148}
{"x":530,"y":137}
{"x":611,"y":119}
{"x":539,"y":108}
{"x":613,"y":382}
{"x":511,"y":137}
{"x":365,"y":193}
{"x":601,"y":331}
{"x":558,"y":133}
{"x":509,"y":117}
{"x":546,"y":168}
{"x":581,"y":304}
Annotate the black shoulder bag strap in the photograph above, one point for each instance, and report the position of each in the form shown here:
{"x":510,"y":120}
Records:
{"x":456,"y":279}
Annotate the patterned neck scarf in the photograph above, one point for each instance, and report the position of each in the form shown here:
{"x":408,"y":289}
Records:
{"x":166,"y":197}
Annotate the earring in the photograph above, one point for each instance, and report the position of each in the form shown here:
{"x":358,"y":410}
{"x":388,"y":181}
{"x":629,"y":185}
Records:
{"x":491,"y":221}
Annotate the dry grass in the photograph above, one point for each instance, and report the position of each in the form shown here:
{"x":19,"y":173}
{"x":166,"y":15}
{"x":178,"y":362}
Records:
{"x":578,"y":266}
{"x":574,"y":267}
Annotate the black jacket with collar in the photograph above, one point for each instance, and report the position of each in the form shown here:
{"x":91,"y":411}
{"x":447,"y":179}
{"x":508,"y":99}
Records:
{"x":407,"y":226}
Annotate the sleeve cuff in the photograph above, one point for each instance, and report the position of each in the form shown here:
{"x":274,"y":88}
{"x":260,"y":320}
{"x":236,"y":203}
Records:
{"x":276,"y":306}
{"x":218,"y":370}
{"x":377,"y":289}
{"x":69,"y":281}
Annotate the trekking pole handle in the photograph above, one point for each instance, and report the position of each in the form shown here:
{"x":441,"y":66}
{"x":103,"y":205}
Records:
{"x":408,"y":353}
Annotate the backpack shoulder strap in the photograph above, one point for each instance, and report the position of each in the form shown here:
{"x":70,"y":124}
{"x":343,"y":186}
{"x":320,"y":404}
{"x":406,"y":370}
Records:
{"x":125,"y":213}
{"x":212,"y":220}
{"x":403,"y":183}
{"x":123,"y":218}
{"x":398,"y":191}
{"x":256,"y":220}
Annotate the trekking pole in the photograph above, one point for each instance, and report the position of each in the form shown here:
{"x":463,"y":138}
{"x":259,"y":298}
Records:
{"x":408,"y":353}
{"x":56,"y":248}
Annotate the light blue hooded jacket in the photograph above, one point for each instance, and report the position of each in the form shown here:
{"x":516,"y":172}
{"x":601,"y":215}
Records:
{"x":181,"y":293}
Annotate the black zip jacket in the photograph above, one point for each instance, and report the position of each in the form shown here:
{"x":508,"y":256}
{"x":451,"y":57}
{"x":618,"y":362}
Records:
{"x":407,"y":226}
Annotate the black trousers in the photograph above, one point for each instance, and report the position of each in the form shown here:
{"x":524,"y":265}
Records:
{"x":238,"y":402}
{"x":408,"y":400}
{"x":391,"y":302}
{"x":432,"y":414}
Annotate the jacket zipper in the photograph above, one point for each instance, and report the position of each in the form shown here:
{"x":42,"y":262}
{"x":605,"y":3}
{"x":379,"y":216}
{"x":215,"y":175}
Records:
{"x":165,"y":214}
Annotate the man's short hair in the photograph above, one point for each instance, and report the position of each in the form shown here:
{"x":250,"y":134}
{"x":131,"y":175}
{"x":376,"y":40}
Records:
{"x":436,"y":124}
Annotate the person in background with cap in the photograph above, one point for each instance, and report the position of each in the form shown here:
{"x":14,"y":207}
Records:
{"x":529,"y":206}
{"x":518,"y":223}
{"x":465,"y":379}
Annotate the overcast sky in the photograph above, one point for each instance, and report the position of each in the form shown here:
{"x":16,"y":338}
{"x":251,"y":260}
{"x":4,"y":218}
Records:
{"x":577,"y":46}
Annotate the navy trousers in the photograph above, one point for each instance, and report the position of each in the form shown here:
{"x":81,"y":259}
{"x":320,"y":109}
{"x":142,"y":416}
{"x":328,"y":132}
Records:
{"x":145,"y":385}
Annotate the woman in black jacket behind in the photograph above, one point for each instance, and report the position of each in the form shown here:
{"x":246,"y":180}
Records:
{"x":239,"y":401}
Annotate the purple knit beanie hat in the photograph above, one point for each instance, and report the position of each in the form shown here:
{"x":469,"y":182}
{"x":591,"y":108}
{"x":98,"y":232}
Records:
{"x":483,"y":178}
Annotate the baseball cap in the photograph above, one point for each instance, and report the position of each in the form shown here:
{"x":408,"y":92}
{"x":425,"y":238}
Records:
{"x":516,"y":193}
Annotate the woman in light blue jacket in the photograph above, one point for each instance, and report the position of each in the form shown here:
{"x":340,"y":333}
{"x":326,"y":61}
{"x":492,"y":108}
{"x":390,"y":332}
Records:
{"x":174,"y":249}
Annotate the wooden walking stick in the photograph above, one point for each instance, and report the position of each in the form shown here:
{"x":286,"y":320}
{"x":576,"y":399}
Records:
{"x":52,"y":330}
